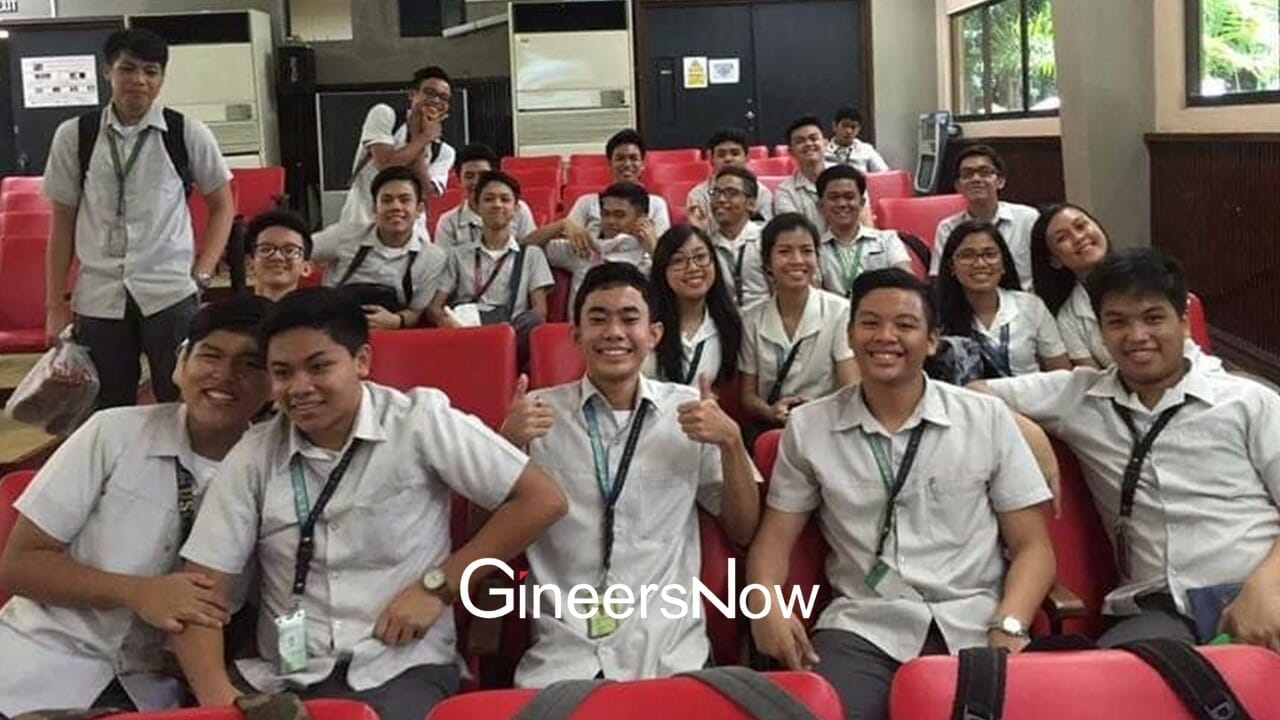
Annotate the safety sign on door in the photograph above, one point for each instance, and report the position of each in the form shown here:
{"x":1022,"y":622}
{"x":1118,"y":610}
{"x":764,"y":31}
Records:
{"x":695,"y":73}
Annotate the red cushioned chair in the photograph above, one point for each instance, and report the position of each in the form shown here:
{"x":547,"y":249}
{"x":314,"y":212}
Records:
{"x":438,"y":205}
{"x":543,"y":202}
{"x":673,"y":157}
{"x":783,"y":166}
{"x":677,"y":193}
{"x":572,"y":192}
{"x":258,"y":189}
{"x":25,"y":223}
{"x":22,"y":295}
{"x":919,"y":216}
{"x":198,"y":209}
{"x":758,"y":151}
{"x":1085,"y":685}
{"x":581,"y":159}
{"x":890,"y":184}
{"x":558,"y":298}
{"x":1196,"y":320}
{"x":534,"y":175}
{"x":597,"y":175}
{"x":450,"y":359}
{"x":553,"y":357}
{"x":780,"y":150}
{"x":771,"y":181}
{"x":11,"y":487}
{"x":16,"y":202}
{"x":511,"y":163}
{"x":674,"y":698}
{"x":694,"y":172}
{"x":22,"y":184}
{"x":316,"y":710}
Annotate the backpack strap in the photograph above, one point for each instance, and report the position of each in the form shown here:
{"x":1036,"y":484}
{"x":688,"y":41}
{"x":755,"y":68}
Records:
{"x":753,"y":693}
{"x":917,"y":248}
{"x":175,"y":144}
{"x":406,"y":282}
{"x":980,"y":684}
{"x":355,"y":264}
{"x":88,"y":125}
{"x":558,"y":700}
{"x":513,"y":283}
{"x":1197,"y":682}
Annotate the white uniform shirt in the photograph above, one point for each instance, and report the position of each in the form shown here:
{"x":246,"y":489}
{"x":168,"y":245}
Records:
{"x":1032,"y":332}
{"x":799,"y":194}
{"x":741,"y":264}
{"x":706,"y":337}
{"x":461,"y":279}
{"x":946,"y":544}
{"x":1014,"y":223}
{"x":586,"y":211}
{"x":861,"y":155}
{"x":621,"y":248}
{"x":871,"y":250}
{"x":1079,"y":329}
{"x":386,"y":525}
{"x":823,"y":336}
{"x":700,"y":196}
{"x":462,"y":226}
{"x":380,"y":129}
{"x":336,"y":247}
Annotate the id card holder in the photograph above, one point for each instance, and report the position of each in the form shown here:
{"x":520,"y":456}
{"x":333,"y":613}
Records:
{"x":117,"y":238}
{"x":889,"y":584}
{"x":291,"y":641}
{"x":601,"y":624}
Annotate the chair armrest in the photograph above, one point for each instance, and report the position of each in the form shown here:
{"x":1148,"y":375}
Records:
{"x":1062,"y":604}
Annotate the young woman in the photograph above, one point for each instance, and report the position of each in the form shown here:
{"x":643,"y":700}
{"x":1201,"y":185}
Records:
{"x":1066,"y":243}
{"x":980,"y":297}
{"x":702,"y":330}
{"x":796,"y":341}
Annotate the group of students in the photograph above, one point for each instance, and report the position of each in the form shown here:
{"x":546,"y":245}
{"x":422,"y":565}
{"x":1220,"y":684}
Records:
{"x":280,"y":480}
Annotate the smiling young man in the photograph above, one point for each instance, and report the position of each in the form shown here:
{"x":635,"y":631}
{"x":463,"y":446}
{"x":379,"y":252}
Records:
{"x":734,"y":193}
{"x":848,"y":247}
{"x":390,"y":265}
{"x":462,"y":225}
{"x":120,"y":204}
{"x":799,"y":193}
{"x":278,"y":248}
{"x":980,"y":178}
{"x":344,"y":501}
{"x":626,"y":151}
{"x":92,"y":562}
{"x":917,"y":515}
{"x":1196,"y":513}
{"x":728,"y":147}
{"x":846,"y":148}
{"x":636,"y":458}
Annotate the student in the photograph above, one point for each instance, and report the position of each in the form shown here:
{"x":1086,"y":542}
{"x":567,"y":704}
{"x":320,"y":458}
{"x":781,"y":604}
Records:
{"x":979,"y":296}
{"x":636,"y":457}
{"x":735,"y":235}
{"x":918,"y":516}
{"x":1202,"y":511}
{"x":415,"y":143}
{"x":702,"y":331}
{"x":92,"y":560}
{"x":356,"y":590}
{"x":849,"y":247}
{"x":126,"y":217}
{"x":278,"y":245}
{"x":795,"y":348}
{"x":626,"y":151}
{"x":727,"y":147}
{"x":846,"y":149}
{"x":462,"y":225}
{"x":1066,"y":244}
{"x":980,"y":178}
{"x":623,"y":238}
{"x":799,"y":193}
{"x":388,"y":265}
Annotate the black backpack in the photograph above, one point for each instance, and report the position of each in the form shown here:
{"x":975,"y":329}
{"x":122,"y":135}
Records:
{"x":174,"y":144}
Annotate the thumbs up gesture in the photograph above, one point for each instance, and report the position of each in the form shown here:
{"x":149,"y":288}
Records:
{"x":528,"y":419}
{"x":703,"y":420}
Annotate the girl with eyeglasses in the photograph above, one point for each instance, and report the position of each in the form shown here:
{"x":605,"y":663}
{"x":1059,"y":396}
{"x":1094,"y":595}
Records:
{"x":980,"y":297}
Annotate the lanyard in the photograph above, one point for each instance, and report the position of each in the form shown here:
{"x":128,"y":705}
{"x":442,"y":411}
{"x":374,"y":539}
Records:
{"x":1141,"y":447}
{"x":610,"y":492}
{"x":307,"y":518}
{"x":850,"y":262}
{"x":122,"y":173}
{"x":893,"y":484}
{"x":775,"y":391}
{"x":691,"y":372}
{"x":737,"y":273}
{"x":186,"y":498}
{"x":997,"y":356}
{"x":478,"y":289}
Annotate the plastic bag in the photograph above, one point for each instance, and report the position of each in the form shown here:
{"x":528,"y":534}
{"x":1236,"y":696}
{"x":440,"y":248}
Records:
{"x":59,"y":392}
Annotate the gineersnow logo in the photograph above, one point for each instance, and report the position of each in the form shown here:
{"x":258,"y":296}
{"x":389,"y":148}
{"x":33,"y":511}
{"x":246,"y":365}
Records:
{"x":621,"y":602}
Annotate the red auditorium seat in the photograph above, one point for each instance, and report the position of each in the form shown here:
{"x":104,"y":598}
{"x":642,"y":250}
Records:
{"x":438,"y":205}
{"x":316,"y":710}
{"x":447,"y":359}
{"x":782,"y":150}
{"x":1196,"y":320}
{"x":772,"y":166}
{"x":771,"y":181}
{"x":544,"y":202}
{"x":558,"y":298}
{"x":758,"y":151}
{"x":890,"y":184}
{"x":573,"y":192}
{"x":553,"y":357}
{"x":581,"y":159}
{"x":512,"y":163}
{"x":22,"y":184}
{"x":11,"y":487}
{"x":199,"y":211}
{"x":24,"y":202}
{"x":22,"y":295}
{"x":25,"y":223}
{"x":919,"y":216}
{"x":258,"y":189}
{"x":597,"y":175}
{"x":536,"y":176}
{"x":673,"y":157}
{"x":675,"y":172}
{"x":676,"y":193}
{"x":679,"y":698}
{"x":1086,"y":684}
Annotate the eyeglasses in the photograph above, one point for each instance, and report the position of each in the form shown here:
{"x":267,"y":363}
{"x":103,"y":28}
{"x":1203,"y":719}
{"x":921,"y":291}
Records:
{"x":727,"y":193}
{"x":698,"y":260}
{"x":836,"y":197}
{"x":990,"y":256}
{"x":287,"y":252}
{"x":985,"y":172}
{"x":434,"y":96}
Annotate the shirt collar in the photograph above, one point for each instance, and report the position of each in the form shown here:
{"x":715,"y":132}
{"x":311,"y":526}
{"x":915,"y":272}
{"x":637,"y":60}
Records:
{"x":468,"y":216}
{"x":644,"y":394}
{"x":1079,"y":302}
{"x":154,"y":118}
{"x":854,"y":412}
{"x":1003,"y":213}
{"x":414,"y":245}
{"x":864,"y":233}
{"x":166,"y":435}
{"x":1007,"y":311}
{"x":1194,"y":383}
{"x":705,"y":331}
{"x":750,"y":231}
{"x":366,"y":427}
{"x":802,"y":182}
{"x":810,"y":320}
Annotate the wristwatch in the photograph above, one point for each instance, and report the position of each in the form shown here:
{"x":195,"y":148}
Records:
{"x":203,"y":279}
{"x":437,"y":583}
{"x":1009,"y":625}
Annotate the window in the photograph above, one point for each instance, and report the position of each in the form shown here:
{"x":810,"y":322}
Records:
{"x":420,"y":18}
{"x":1002,"y":59}
{"x":1233,"y":51}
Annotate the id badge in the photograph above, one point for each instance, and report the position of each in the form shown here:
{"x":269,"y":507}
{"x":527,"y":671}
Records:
{"x":601,"y":624}
{"x":888,"y":583}
{"x":117,"y":239}
{"x":291,"y":641}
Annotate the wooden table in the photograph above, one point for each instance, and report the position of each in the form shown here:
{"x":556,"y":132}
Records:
{"x":13,"y":368}
{"x":23,"y":446}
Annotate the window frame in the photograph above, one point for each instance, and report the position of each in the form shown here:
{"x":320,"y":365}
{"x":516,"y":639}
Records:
{"x":986,"y":65}
{"x":1191,"y":83}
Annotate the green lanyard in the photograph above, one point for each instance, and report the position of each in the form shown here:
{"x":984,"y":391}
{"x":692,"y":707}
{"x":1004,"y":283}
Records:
{"x":122,"y":173}
{"x":850,"y":261}
{"x":893,"y":483}
{"x":611,"y":491}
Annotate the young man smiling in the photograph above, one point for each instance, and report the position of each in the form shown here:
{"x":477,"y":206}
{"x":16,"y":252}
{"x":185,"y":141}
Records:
{"x":734,"y":193}
{"x":799,"y":193}
{"x":848,"y":247}
{"x":278,"y":247}
{"x":636,"y":458}
{"x":728,"y":147}
{"x":626,"y":151}
{"x":462,"y":225}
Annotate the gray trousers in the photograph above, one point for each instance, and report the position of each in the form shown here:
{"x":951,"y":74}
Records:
{"x":115,"y":345}
{"x":407,"y":696}
{"x":1158,"y":617}
{"x":860,"y":672}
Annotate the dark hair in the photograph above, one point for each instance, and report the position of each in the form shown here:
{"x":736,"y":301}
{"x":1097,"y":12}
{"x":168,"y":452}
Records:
{"x":394,"y":173}
{"x":624,"y":137}
{"x":1053,"y":284}
{"x":1138,"y":271}
{"x":724,"y":135}
{"x":606,"y":276}
{"x":981,"y":150}
{"x":138,"y":42}
{"x":957,"y":313}
{"x":629,"y":191}
{"x":784,"y":222}
{"x":665,"y":309}
{"x":749,"y":182}
{"x":336,"y":313}
{"x":431,"y":72}
{"x":280,"y":217}
{"x":802,"y":121}
{"x":896,"y":278}
{"x":474,"y":152}
{"x":841,"y":172}
{"x":242,"y":314}
{"x":495,"y":176}
{"x":848,"y":112}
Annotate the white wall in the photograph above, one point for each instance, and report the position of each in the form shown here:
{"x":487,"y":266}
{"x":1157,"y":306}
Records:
{"x":904,"y":75}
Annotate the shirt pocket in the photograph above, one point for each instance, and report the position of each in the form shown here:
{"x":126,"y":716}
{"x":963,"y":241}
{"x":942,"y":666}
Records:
{"x":140,"y":528}
{"x":384,"y":524}
{"x":657,"y":500}
{"x":957,"y":505}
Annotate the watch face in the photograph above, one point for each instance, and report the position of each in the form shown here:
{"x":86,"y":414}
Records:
{"x":434,"y":579}
{"x":1012,"y":626}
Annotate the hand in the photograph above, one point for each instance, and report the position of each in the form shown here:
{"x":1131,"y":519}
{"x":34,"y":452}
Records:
{"x":170,"y":602}
{"x":1012,"y":643}
{"x":1254,"y":616}
{"x":528,"y":419}
{"x":409,"y":616}
{"x":785,"y":640}
{"x":780,"y":411}
{"x":431,"y":125}
{"x":697,"y":217}
{"x":225,"y":694}
{"x":413,"y":125}
{"x":381,"y":318}
{"x":703,"y":420}
{"x":577,"y":236}
{"x":646,"y":234}
{"x":56,"y":318}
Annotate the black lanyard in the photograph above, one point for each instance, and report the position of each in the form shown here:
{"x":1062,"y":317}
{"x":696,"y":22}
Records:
{"x":307,"y":520}
{"x":1141,"y":446}
{"x":775,"y":391}
{"x":691,"y":372}
{"x":186,"y":498}
{"x":893,"y":484}
{"x":610,"y":493}
{"x":997,"y":356}
{"x":122,"y":172}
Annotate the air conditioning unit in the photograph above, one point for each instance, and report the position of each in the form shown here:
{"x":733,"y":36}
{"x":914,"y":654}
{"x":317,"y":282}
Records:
{"x":572,"y":75}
